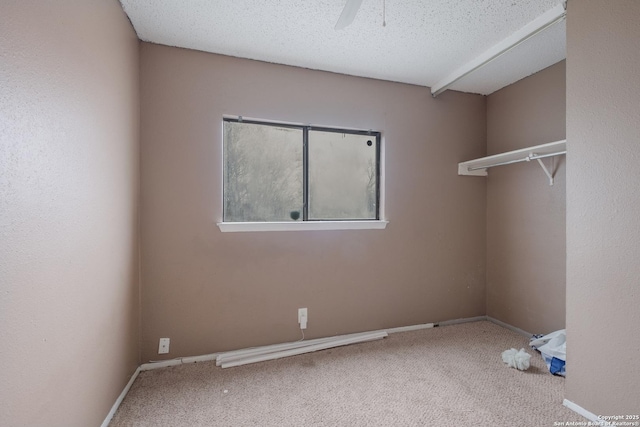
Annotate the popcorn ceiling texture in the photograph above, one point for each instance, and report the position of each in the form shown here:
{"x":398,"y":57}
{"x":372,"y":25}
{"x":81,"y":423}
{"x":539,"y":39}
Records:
{"x":422,"y":42}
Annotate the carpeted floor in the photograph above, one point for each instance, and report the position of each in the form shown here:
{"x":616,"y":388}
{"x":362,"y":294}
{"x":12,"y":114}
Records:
{"x":446,"y":376}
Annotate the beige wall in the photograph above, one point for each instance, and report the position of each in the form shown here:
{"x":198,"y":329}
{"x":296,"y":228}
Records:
{"x":69,"y":130}
{"x":603,"y":206}
{"x":525,"y":216}
{"x":211,"y":291}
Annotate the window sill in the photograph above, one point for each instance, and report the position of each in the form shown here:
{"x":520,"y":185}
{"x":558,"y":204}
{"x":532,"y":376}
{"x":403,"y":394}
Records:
{"x":231,"y":227}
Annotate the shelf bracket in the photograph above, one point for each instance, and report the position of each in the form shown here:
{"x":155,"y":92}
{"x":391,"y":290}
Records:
{"x":544,"y":168}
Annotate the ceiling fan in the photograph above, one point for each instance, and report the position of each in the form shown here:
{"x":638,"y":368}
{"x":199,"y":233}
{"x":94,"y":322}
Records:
{"x":348,"y":14}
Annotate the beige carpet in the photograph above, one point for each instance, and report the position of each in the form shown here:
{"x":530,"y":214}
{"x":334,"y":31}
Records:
{"x":446,"y":376}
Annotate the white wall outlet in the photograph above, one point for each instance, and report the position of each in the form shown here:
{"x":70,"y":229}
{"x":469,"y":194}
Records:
{"x":163,"y":347}
{"x":302,"y":318}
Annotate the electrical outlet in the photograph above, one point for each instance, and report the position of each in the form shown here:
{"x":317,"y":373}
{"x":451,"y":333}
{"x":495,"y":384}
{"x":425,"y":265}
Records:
{"x":163,"y":347}
{"x":302,"y":318}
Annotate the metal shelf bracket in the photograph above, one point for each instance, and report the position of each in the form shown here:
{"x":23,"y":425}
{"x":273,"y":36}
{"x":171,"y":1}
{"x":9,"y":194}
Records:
{"x":546,"y":171}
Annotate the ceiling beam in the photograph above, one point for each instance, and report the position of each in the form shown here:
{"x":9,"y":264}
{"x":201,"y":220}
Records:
{"x":534,"y":27}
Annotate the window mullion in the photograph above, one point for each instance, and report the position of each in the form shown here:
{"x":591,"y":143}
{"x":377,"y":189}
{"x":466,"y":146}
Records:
{"x":305,"y":173}
{"x":378,"y":176}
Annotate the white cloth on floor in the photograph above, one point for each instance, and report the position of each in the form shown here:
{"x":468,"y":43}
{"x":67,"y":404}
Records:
{"x":516,"y":359}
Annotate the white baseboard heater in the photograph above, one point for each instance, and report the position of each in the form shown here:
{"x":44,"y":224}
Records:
{"x":270,"y":352}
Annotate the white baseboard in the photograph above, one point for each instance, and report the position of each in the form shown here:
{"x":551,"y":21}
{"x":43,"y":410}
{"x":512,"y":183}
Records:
{"x":510,"y":327}
{"x":213,"y":356}
{"x":433,"y":325}
{"x":260,"y":354}
{"x":581,"y":411}
{"x":409,"y":328}
{"x":179,"y":361}
{"x":210,"y":357}
{"x":120,"y":398}
{"x":463,"y":320}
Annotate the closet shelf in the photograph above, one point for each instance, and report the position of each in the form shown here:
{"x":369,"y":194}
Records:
{"x":478,"y":167}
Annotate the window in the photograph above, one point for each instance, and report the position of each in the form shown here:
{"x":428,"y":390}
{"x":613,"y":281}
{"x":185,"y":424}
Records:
{"x":288,"y":173}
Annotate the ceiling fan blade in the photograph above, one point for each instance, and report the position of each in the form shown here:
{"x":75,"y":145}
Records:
{"x":348,"y":13}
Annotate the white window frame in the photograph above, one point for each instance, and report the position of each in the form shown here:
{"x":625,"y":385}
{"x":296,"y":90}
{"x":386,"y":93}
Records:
{"x":311,"y":225}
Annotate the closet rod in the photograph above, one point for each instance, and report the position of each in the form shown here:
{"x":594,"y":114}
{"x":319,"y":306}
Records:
{"x":525,"y":159}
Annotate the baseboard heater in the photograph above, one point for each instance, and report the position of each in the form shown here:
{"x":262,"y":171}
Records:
{"x":277,"y":351}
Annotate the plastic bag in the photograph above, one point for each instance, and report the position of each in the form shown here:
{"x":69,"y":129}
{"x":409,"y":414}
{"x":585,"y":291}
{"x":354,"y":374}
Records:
{"x":553,"y":348}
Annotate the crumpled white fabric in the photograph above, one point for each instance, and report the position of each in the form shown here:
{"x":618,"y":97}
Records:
{"x":516,"y":359}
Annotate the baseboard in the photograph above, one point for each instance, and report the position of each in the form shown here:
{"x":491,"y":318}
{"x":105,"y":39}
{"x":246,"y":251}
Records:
{"x":581,"y":411}
{"x":120,"y":398}
{"x":510,"y":327}
{"x":209,"y":357}
{"x":261,"y":354}
{"x":179,"y":361}
{"x":408,"y":328}
{"x":432,"y":325}
{"x":463,"y":320}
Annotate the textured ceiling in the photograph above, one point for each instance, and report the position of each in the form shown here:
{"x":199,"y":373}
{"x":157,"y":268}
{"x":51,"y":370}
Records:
{"x":422,"y":42}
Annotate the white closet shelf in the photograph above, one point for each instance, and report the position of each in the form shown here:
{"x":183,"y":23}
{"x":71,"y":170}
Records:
{"x":478,"y":167}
